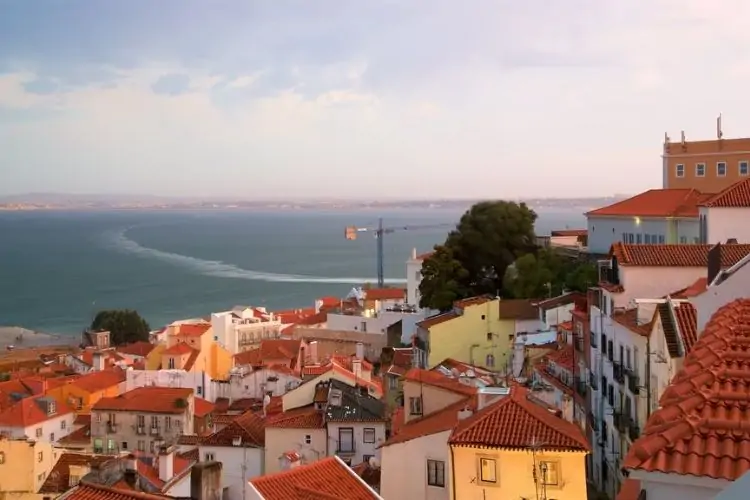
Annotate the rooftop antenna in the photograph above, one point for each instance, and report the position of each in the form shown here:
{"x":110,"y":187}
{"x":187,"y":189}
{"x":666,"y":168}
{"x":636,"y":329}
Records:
{"x":540,"y":483}
{"x":719,"y":132}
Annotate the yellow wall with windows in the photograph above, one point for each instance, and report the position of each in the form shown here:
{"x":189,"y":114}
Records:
{"x":500,"y":474}
{"x":24,"y":466}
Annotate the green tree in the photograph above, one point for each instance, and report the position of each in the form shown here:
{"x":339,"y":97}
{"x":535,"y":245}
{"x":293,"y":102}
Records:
{"x":581,"y":276}
{"x":546,"y":273}
{"x":124,"y":325}
{"x":489,"y":237}
{"x":443,"y":280}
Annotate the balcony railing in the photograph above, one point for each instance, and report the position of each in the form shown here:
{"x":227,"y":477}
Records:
{"x":618,"y":372}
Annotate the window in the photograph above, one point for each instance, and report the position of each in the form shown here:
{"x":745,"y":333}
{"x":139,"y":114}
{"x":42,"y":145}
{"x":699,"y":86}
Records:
{"x":208,"y":457}
{"x":51,"y":437}
{"x":346,"y":440}
{"x":363,"y":327}
{"x":436,"y":473}
{"x":624,"y":237}
{"x":647,"y":239}
{"x":489,"y":336}
{"x":124,"y":445}
{"x":141,"y":420}
{"x":490,"y":361}
{"x":679,"y":170}
{"x":368,"y":435}
{"x":487,"y":470}
{"x":744,"y":167}
{"x":721,"y":168}
{"x":661,"y":239}
{"x":683,"y":240}
{"x":630,"y":238}
{"x":308,"y":439}
{"x":170,"y":363}
{"x":154,"y":422}
{"x":151,"y":446}
{"x":700,"y":169}
{"x":415,"y":406}
{"x":141,"y":445}
{"x":627,"y":358}
{"x":111,"y":446}
{"x":40,"y":456}
{"x":39,"y":432}
{"x":550,"y":473}
{"x":98,"y":445}
{"x":63,"y":425}
{"x":392,"y":382}
{"x":167,"y":423}
{"x":200,"y":390}
{"x":483,"y":317}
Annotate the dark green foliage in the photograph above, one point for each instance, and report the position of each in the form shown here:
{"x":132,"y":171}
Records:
{"x":124,"y":325}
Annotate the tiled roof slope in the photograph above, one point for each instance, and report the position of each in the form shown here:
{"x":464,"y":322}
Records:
{"x":85,"y":491}
{"x":701,"y":427}
{"x":436,"y":379}
{"x":249,"y":426}
{"x":58,"y":479}
{"x":735,"y":196}
{"x":687,"y":322}
{"x":437,"y":421}
{"x":325,"y":479}
{"x":98,"y":381}
{"x":32,"y":411}
{"x":356,"y":405}
{"x":515,"y":422}
{"x":306,"y":417}
{"x":675,"y":255}
{"x":270,"y":350}
{"x":147,"y":400}
{"x":385,"y":294}
{"x":518,"y":309}
{"x":655,"y":203}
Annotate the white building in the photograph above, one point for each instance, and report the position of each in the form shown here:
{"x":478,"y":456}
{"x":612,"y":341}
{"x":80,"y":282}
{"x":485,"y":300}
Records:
{"x":722,"y":217}
{"x":200,"y":382}
{"x":244,"y":382}
{"x":414,"y":276}
{"x":244,"y":327}
{"x":39,"y":418}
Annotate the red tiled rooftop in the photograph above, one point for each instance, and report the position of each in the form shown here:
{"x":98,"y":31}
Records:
{"x":437,"y":319}
{"x":563,"y":357}
{"x":249,"y":427}
{"x":438,"y":421}
{"x":675,"y":255}
{"x":436,"y":379}
{"x":299,"y":418}
{"x":270,"y":351}
{"x":193,"y":329}
{"x":141,"y":348}
{"x":329,"y":478}
{"x":147,"y":400}
{"x":58,"y":479}
{"x":515,"y":422}
{"x":425,"y":256}
{"x":203,"y":407}
{"x":99,"y":381}
{"x":735,"y":196}
{"x":687,"y":323}
{"x":697,"y":288}
{"x":701,"y":426}
{"x":81,"y":436}
{"x":629,"y":319}
{"x":179,"y":349}
{"x":630,"y":490}
{"x":87,"y":491}
{"x":655,"y":203}
{"x":385,"y":294}
{"x":31,"y":411}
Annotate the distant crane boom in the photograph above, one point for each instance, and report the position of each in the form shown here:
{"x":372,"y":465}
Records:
{"x":379,"y":231}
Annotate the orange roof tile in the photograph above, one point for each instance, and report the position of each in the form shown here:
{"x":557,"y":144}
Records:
{"x":179,"y":349}
{"x":630,"y":490}
{"x":564,"y":357}
{"x":31,"y":411}
{"x":203,"y":407}
{"x":698,"y":287}
{"x":519,"y":309}
{"x":385,"y":294}
{"x":655,"y":203}
{"x":306,"y":417}
{"x":58,"y":480}
{"x":87,"y":491}
{"x":437,"y":379}
{"x":329,"y":478}
{"x":141,"y":348}
{"x":516,"y":422}
{"x":629,"y":319}
{"x":438,"y":421}
{"x":687,"y":323}
{"x":565,"y":325}
{"x":473,"y":301}
{"x":147,"y":400}
{"x":78,"y":436}
{"x":675,"y":255}
{"x":425,"y":256}
{"x":701,"y":426}
{"x":270,"y":351}
{"x":437,"y":319}
{"x":249,"y":426}
{"x":99,"y":381}
{"x":735,"y":196}
{"x":193,"y":329}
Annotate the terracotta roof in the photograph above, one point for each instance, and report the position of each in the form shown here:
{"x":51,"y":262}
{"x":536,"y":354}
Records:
{"x":99,"y":381}
{"x":735,"y":196}
{"x":630,"y":490}
{"x":203,"y":407}
{"x":270,"y":351}
{"x":306,"y":417}
{"x":561,"y":300}
{"x":629,"y":319}
{"x":141,"y":348}
{"x":516,"y":422}
{"x":701,"y":427}
{"x":437,"y":319}
{"x":437,"y":379}
{"x":329,"y":478}
{"x":519,"y":309}
{"x":564,"y":357}
{"x":566,"y":326}
{"x":58,"y":479}
{"x":675,"y":255}
{"x":687,"y":322}
{"x":192,"y":329}
{"x":78,"y":437}
{"x":11,"y":391}
{"x":369,"y":474}
{"x":473,"y":301}
{"x":31,"y":411}
{"x":698,"y":287}
{"x":655,"y":203}
{"x":249,"y":426}
{"x":356,"y":404}
{"x":86,"y":491}
{"x":385,"y":294}
{"x":179,"y":349}
{"x":438,"y":421}
{"x":425,"y":256}
{"x":147,"y":400}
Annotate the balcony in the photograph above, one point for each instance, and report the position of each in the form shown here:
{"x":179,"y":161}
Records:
{"x":593,"y":340}
{"x":618,"y":372}
{"x":346,"y":449}
{"x":633,"y":383}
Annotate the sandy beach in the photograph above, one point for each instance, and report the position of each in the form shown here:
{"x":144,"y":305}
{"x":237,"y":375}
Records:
{"x":22,"y":338}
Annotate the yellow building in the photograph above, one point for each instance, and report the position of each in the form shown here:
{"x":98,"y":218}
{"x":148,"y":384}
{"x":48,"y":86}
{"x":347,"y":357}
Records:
{"x":24,"y":466}
{"x":191,"y":347}
{"x":516,"y":448}
{"x":84,"y":392}
{"x":472,"y":333}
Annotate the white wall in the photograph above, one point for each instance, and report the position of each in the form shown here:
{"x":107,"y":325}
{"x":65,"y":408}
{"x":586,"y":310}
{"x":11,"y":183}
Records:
{"x":49,"y":427}
{"x":413,"y":279}
{"x":234,"y":459}
{"x":360,"y":447}
{"x":527,"y":325}
{"x":734,"y":287}
{"x":725,"y":223}
{"x":364,"y":324}
{"x":256,"y":384}
{"x":654,"y":282}
{"x":200,"y":382}
{"x":403,"y":468}
{"x":557,"y":315}
{"x":679,"y":487}
{"x":180,"y":489}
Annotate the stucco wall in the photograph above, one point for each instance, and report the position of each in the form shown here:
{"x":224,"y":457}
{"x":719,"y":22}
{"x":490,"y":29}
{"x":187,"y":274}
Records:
{"x":401,"y":481}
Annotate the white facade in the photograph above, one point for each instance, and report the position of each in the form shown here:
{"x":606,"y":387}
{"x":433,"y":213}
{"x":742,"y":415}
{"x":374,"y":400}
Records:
{"x":528,"y":326}
{"x":241,"y":329}
{"x":678,"y":486}
{"x":200,"y":382}
{"x":662,"y":367}
{"x":50,"y":430}
{"x":403,"y":468}
{"x":653,"y":282}
{"x":362,"y":449}
{"x":604,"y":231}
{"x":556,"y":315}
{"x":723,"y":224}
{"x":735,"y":284}
{"x":255,"y":384}
{"x":240,"y":464}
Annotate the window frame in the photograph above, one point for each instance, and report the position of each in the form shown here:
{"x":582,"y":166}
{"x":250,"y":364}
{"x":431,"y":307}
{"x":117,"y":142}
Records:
{"x":698,"y":166}
{"x":365,"y":432}
{"x":679,"y":170}
{"x":342,"y":431}
{"x":488,"y":460}
{"x":719,"y":164}
{"x":415,"y":409}
{"x":556,"y":468}
{"x":438,"y":473}
{"x":744,"y":163}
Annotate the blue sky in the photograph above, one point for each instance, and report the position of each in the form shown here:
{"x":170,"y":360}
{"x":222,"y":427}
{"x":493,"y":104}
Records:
{"x":379,"y":98}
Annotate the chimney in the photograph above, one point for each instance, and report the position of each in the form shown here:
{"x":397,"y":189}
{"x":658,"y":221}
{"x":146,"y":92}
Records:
{"x":312,"y":349}
{"x":413,"y":254}
{"x":266,"y":402}
{"x":464,"y":412}
{"x":98,"y":361}
{"x":131,"y":471}
{"x":357,"y":367}
{"x":714,"y":263}
{"x":360,"y":351}
{"x":205,"y":481}
{"x":166,"y":463}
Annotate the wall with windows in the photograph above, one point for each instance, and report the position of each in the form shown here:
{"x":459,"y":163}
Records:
{"x":311,"y":444}
{"x":604,"y":231}
{"x":239,"y":465}
{"x":427,"y":475}
{"x":423,"y":399}
{"x":708,"y":166}
{"x":355,"y":442}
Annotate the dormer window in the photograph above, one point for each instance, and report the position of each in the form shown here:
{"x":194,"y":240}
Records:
{"x":51,"y":408}
{"x":335,"y":399}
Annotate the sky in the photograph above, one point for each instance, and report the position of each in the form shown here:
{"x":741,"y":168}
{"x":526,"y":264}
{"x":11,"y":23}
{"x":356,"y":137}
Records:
{"x":376,"y":98}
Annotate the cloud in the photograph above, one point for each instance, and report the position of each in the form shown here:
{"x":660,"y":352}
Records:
{"x":375,"y":99}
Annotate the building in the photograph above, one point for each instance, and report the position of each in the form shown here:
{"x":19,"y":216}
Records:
{"x":288,"y":353}
{"x":68,"y":470}
{"x":301,"y":430}
{"x":472,"y":332}
{"x":426,"y":392}
{"x":656,"y":217}
{"x":142,"y":420}
{"x":394,"y":363}
{"x":83,"y":392}
{"x":515,"y":448}
{"x":719,"y":287}
{"x":25,"y":465}
{"x":707,"y":166}
{"x":693,"y":445}
{"x":329,"y":478}
{"x":524,"y":314}
{"x":190,"y":347}
{"x":722,"y":216}
{"x":199,"y":382}
{"x":244,"y":327}
{"x":41,"y":418}
{"x":414,"y":276}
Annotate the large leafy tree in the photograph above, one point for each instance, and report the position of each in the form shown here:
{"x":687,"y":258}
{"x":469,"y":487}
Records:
{"x":124,"y":325}
{"x":473,"y":260}
{"x":547,"y":273}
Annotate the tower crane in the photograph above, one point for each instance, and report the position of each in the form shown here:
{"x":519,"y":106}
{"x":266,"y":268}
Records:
{"x":380,"y":231}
